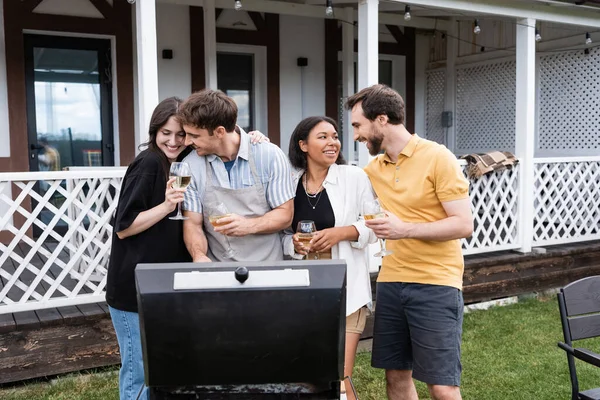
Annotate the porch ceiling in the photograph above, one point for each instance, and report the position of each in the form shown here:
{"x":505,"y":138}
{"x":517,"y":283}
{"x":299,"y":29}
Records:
{"x":397,"y":7}
{"x":430,"y":13}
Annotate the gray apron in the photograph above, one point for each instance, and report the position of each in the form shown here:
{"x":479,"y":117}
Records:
{"x":248,"y":202}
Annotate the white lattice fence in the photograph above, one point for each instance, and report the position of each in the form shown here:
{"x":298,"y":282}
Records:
{"x":567,"y":200}
{"x":436,"y":94}
{"x":60,"y":228}
{"x":569,"y":116}
{"x":494,"y":203}
{"x":485,"y":106}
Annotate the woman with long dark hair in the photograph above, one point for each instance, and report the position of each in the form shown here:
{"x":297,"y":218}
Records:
{"x":331,"y":194}
{"x":142,"y":232}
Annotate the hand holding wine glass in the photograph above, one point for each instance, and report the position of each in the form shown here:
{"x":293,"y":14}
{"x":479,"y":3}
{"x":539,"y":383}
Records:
{"x":304,"y":234}
{"x":182,"y":175}
{"x":217,"y":211}
{"x":372,"y":210}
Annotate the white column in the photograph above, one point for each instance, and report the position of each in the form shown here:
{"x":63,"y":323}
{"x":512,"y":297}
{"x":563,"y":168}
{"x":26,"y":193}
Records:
{"x":525,"y":127}
{"x":147,"y":65}
{"x":348,"y":78}
{"x":368,"y":55}
{"x":451,"y":53}
{"x":210,"y":43}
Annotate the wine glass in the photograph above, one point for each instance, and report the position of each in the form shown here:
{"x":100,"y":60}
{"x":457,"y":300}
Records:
{"x":216,"y":211}
{"x":183,"y":176}
{"x":306,"y":230}
{"x":372,"y":210}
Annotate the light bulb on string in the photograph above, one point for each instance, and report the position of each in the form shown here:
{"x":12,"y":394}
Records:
{"x":588,"y":38}
{"x":476,"y":28}
{"x":237,"y":5}
{"x":329,"y":9}
{"x":538,"y":37}
{"x":407,"y":15}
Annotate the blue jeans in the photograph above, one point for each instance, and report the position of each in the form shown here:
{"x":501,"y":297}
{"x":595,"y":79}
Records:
{"x":131,"y":375}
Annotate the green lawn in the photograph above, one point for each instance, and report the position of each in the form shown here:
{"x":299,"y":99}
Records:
{"x":508,"y":353}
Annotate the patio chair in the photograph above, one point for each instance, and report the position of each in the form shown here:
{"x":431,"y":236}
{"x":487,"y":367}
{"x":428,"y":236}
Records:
{"x":579,"y":304}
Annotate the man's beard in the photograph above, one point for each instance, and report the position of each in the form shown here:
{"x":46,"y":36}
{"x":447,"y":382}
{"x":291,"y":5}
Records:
{"x":375,"y":142}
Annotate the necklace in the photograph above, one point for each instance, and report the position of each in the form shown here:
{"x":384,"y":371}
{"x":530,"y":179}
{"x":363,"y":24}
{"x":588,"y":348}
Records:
{"x":316,"y":195}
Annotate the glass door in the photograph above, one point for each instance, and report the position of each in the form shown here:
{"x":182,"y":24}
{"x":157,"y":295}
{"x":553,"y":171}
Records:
{"x":69,"y":106}
{"x":235,"y":77}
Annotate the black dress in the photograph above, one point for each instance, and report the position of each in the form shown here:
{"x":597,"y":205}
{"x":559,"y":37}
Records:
{"x":143,"y":188}
{"x":316,"y":209}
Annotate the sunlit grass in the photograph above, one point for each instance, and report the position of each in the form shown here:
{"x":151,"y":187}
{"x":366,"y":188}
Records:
{"x":508,"y":353}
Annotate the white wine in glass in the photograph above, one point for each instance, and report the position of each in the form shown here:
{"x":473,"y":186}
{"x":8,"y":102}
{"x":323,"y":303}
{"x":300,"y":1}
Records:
{"x":217,"y":211}
{"x":183,"y":177}
{"x":214,"y":219}
{"x":306,"y":230}
{"x":372,"y":210}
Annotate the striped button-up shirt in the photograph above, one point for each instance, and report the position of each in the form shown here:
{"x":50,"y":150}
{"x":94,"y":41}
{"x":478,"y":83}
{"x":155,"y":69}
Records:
{"x":271,"y":163}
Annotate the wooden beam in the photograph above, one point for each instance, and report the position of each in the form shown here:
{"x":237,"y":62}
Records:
{"x":123,"y":25}
{"x":105,"y":9}
{"x":197,"y":48}
{"x":259,"y":21}
{"x":30,"y":5}
{"x":15,"y":83}
{"x":91,"y":343}
{"x":333,"y":38}
{"x":273,"y":96}
{"x":397,"y":34}
{"x":67,"y":23}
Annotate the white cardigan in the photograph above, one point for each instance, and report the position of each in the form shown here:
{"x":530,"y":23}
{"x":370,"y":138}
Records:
{"x":348,"y":188}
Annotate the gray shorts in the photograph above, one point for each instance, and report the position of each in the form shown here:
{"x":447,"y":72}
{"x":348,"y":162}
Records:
{"x":419,"y":327}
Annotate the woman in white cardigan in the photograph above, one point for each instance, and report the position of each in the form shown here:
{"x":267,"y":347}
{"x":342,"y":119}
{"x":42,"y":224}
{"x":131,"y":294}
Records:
{"x":332,"y":194}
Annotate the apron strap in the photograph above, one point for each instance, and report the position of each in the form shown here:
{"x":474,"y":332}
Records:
{"x":252,"y":164}
{"x":255,"y":175}
{"x":209,"y":174}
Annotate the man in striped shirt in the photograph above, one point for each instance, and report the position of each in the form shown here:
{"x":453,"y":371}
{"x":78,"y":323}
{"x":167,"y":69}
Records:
{"x":253,"y":183}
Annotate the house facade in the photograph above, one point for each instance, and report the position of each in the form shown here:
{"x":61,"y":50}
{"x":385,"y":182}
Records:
{"x":80,"y":78}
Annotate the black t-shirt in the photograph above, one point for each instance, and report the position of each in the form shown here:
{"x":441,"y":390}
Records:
{"x":321,"y":214}
{"x":143,"y":188}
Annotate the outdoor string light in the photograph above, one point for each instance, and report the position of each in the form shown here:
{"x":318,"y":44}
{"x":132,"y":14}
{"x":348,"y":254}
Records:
{"x":588,"y":38}
{"x":476,"y":28}
{"x":407,"y":15}
{"x":329,"y":8}
{"x":538,"y":37}
{"x":237,"y":5}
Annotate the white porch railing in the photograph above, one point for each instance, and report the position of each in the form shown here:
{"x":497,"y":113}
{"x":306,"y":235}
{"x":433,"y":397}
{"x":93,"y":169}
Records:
{"x":494,"y":200}
{"x":58,"y":225}
{"x":567,"y":200}
{"x":58,"y":229}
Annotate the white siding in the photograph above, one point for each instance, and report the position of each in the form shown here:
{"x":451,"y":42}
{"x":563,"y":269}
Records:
{"x":173,"y":32}
{"x":300,"y":37}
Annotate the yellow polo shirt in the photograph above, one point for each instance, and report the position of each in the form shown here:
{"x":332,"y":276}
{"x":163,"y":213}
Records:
{"x":425,"y":175}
